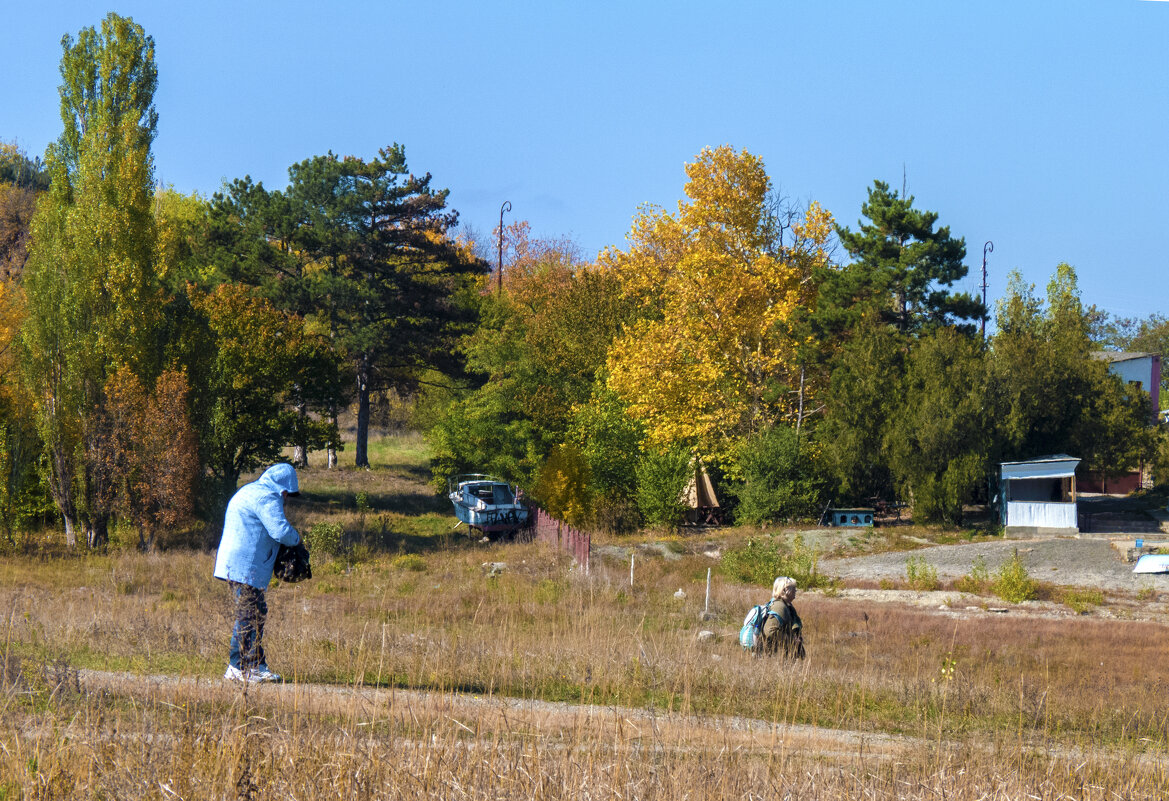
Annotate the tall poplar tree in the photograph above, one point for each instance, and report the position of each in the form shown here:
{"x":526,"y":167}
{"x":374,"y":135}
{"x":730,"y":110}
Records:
{"x":94,"y":302}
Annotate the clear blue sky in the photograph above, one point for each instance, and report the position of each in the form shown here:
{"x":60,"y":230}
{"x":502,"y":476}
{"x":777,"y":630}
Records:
{"x":1039,"y":125}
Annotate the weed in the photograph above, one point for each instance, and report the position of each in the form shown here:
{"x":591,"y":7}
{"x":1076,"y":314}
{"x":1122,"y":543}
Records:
{"x":977,"y":581}
{"x":761,"y":559}
{"x":1012,"y":583}
{"x":920,"y":574}
{"x":324,"y":538}
{"x":1081,"y":599}
{"x":410,"y":561}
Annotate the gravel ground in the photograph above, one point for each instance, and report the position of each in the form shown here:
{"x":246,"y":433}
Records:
{"x":1066,"y":561}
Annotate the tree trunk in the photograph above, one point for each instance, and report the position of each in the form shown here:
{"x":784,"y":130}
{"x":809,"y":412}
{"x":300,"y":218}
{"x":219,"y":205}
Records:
{"x":70,"y":530}
{"x":331,"y":452}
{"x":97,"y":533}
{"x":300,"y":449}
{"x":361,"y":447}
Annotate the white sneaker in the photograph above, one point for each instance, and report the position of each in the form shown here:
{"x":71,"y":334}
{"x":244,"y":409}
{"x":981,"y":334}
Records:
{"x":234,"y":674}
{"x":263,"y":674}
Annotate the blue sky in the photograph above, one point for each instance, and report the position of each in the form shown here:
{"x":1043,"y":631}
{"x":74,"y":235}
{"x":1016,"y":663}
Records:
{"x":1038,"y":125}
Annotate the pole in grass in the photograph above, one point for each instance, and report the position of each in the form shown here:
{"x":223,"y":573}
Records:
{"x":706,"y":608}
{"x":631,"y":571}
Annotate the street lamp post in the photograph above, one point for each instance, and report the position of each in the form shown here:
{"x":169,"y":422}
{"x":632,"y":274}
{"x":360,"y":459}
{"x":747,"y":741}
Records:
{"x":499,"y":263}
{"x":987,"y":248}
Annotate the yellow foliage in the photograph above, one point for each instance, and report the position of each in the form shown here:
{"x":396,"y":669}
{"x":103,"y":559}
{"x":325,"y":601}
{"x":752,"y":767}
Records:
{"x":719,"y":291}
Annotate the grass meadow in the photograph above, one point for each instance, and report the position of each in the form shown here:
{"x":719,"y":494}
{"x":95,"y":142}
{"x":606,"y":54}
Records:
{"x":415,"y":672}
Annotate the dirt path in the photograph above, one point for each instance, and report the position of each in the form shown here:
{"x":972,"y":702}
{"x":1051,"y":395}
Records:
{"x":491,"y":716}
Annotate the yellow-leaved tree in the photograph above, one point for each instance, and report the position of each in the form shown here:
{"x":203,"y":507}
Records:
{"x":723,"y":286}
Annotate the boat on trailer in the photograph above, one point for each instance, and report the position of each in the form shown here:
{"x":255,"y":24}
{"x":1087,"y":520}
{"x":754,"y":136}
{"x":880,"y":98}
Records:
{"x":486,"y":503}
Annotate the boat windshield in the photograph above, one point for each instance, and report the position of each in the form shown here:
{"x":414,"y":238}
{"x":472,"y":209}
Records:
{"x":502,"y":493}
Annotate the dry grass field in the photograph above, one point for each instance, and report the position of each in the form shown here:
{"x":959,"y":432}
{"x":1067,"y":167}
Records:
{"x":415,"y":673}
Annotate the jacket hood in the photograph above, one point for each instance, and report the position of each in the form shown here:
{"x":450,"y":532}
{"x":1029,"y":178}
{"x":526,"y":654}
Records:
{"x":280,"y":478}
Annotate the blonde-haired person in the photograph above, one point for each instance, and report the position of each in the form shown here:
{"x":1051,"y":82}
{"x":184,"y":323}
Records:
{"x":783,"y":632}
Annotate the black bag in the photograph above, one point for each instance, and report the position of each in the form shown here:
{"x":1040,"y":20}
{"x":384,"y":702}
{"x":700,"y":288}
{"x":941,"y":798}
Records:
{"x":292,"y":563}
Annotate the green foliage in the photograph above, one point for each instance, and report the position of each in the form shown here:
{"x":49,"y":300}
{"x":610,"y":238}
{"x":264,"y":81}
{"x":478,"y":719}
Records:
{"x":610,"y":441}
{"x":1050,"y":395}
{"x":1012,"y":582}
{"x":865,"y":391}
{"x":662,"y":476}
{"x":760,"y":559}
{"x":563,"y":485}
{"x":410,"y":561}
{"x":324,"y":538}
{"x":1081,"y":599}
{"x":920,"y":574}
{"x":938,"y":441}
{"x":977,"y":581}
{"x":777,"y":478}
{"x":903,"y":267}
{"x":94,"y":298}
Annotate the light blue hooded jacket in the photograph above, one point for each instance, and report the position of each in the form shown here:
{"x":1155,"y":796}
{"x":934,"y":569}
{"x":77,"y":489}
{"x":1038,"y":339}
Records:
{"x":254,"y":527}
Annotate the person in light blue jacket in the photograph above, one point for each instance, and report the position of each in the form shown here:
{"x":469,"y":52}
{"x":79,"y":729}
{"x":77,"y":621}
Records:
{"x":254,"y":527}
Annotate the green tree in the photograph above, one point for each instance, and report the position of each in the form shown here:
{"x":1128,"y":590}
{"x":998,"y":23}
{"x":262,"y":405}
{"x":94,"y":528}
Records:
{"x":865,"y":390}
{"x":941,"y":434}
{"x":247,"y":360}
{"x":94,"y":302}
{"x":779,"y":479}
{"x":1049,"y":394}
{"x":903,"y":268}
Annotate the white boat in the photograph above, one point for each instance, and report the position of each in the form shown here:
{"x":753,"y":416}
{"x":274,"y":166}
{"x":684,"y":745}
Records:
{"x":1152,"y":563}
{"x":486,"y":503}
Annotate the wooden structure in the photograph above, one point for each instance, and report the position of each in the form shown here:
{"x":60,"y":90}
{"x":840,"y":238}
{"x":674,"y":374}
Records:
{"x":1038,"y":496}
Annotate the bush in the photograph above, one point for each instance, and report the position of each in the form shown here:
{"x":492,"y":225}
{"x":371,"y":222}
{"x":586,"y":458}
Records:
{"x":978,"y":579}
{"x":1081,"y":599}
{"x":1012,"y":583}
{"x":761,"y":559}
{"x":324,"y":538}
{"x":661,"y":480}
{"x":777,"y":478}
{"x":410,"y":561}
{"x":920,"y":574}
{"x":614,"y":514}
{"x":563,"y":485}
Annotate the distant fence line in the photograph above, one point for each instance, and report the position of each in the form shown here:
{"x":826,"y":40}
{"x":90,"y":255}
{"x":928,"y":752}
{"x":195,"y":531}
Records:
{"x":546,"y":528}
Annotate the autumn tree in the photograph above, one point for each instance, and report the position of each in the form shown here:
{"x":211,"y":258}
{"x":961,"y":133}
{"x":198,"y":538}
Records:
{"x":94,"y":303}
{"x":715,"y":356}
{"x":21,"y":181}
{"x":150,"y":451}
{"x":904,"y":267}
{"x":534,"y":362}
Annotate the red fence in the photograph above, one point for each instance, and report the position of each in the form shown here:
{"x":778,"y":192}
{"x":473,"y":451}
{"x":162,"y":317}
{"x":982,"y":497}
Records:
{"x":548,"y":529}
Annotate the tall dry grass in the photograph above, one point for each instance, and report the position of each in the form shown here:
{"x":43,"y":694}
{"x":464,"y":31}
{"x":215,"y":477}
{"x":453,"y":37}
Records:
{"x":415,"y":673}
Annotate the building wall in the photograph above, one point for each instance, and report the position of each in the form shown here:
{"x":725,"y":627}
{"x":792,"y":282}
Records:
{"x":1041,"y":515}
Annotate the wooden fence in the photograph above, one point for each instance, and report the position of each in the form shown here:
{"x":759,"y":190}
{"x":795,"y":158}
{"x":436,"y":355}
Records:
{"x":546,"y":528}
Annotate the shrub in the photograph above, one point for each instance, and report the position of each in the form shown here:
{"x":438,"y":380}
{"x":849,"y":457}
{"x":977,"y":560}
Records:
{"x":324,"y":538}
{"x":977,"y":581}
{"x":920,"y":574}
{"x":1012,"y":582}
{"x":614,"y":514}
{"x":410,"y":561}
{"x":661,"y":480}
{"x":778,"y":479}
{"x":1081,"y":599}
{"x":563,"y":485}
{"x":761,"y":559}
